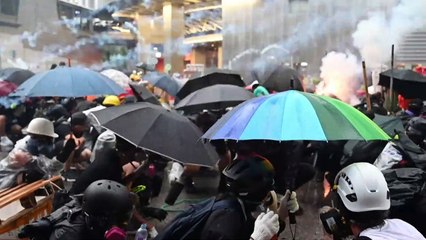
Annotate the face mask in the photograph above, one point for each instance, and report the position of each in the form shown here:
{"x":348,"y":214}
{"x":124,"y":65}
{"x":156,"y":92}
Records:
{"x":36,"y":147}
{"x":78,"y":134}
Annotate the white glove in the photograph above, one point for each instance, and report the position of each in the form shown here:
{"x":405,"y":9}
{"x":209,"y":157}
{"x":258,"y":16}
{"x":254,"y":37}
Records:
{"x":175,"y":172}
{"x":152,"y":232}
{"x":290,"y":201}
{"x":266,"y":226}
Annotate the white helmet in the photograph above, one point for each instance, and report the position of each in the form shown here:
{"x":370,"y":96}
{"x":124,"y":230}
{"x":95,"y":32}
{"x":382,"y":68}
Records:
{"x":362,"y":187}
{"x":41,"y":126}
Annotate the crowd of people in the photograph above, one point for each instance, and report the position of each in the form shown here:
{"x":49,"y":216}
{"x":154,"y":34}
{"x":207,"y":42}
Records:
{"x":113,"y":181}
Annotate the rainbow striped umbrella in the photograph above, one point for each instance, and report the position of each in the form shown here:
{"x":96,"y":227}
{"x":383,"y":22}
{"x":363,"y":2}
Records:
{"x":294,"y":115}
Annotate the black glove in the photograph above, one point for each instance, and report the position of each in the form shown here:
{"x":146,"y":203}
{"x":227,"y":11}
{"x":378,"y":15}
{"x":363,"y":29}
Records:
{"x":157,"y":213}
{"x":66,"y":150}
{"x":36,"y":230}
{"x":33,"y":173}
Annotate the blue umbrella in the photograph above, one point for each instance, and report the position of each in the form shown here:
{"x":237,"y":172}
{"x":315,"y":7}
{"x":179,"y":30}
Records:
{"x":68,"y":82}
{"x":163,"y":81}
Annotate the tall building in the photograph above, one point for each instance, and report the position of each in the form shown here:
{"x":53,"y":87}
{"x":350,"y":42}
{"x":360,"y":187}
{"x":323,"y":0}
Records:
{"x":90,"y":4}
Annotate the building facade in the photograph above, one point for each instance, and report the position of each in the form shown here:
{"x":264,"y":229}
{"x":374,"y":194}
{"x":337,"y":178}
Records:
{"x":297,"y":31}
{"x":57,"y":31}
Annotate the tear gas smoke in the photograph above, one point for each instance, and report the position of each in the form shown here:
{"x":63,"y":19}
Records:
{"x":340,"y":72}
{"x":374,"y":36}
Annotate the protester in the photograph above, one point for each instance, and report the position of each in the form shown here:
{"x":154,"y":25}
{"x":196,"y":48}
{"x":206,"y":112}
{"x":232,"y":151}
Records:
{"x":414,"y":109}
{"x":259,"y":90}
{"x":6,"y":145}
{"x":416,"y":131}
{"x":33,"y":157}
{"x":363,"y":203}
{"x":59,"y":117}
{"x":228,"y":215}
{"x":111,"y":101}
{"x":108,"y":163}
{"x":103,"y":212}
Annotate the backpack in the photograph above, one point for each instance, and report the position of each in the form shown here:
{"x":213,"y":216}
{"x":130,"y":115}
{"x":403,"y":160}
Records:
{"x":189,"y":224}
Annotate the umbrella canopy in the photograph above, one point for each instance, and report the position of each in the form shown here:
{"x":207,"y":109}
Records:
{"x":118,"y":77}
{"x":163,"y":81}
{"x":143,"y":94}
{"x":214,"y":97}
{"x":294,"y":115}
{"x":389,"y":124}
{"x":68,"y":82}
{"x":408,"y":83}
{"x":15,"y":75}
{"x":6,"y":88}
{"x":279,"y":78}
{"x":194,"y":84}
{"x":158,"y":130}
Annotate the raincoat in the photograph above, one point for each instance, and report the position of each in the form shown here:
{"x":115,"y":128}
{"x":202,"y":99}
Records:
{"x":10,"y":167}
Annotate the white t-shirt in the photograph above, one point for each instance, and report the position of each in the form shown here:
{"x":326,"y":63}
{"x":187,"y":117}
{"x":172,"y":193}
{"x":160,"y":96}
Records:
{"x":394,"y":229}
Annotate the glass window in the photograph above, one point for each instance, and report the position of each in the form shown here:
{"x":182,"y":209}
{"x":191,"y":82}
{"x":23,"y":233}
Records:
{"x":9,"y":7}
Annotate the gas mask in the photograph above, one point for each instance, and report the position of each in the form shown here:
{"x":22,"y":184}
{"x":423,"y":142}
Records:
{"x":37,"y":147}
{"x":333,"y":220}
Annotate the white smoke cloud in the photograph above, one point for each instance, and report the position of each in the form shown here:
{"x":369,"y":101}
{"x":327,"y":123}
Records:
{"x":374,"y":36}
{"x":340,"y":72}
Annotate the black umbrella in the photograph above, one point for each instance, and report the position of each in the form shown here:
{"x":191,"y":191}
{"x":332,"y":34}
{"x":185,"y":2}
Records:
{"x":158,"y":130}
{"x":143,"y":95}
{"x":209,"y":80}
{"x":280,"y":78}
{"x":15,"y":75}
{"x":163,"y":81}
{"x":218,"y":96}
{"x":408,"y":83}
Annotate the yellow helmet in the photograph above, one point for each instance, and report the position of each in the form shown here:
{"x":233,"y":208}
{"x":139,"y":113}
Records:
{"x":135,"y":77}
{"x":111,"y":100}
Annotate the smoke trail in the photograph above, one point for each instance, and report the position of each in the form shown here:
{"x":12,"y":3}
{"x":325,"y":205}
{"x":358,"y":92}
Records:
{"x":374,"y":36}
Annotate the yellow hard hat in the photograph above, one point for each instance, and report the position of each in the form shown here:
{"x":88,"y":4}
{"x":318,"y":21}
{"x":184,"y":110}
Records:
{"x":135,"y":77}
{"x":111,"y":100}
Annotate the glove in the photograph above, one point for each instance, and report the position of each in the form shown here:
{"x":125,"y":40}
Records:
{"x":41,"y":229}
{"x":152,"y":232}
{"x":66,"y":151}
{"x":176,"y":172}
{"x":290,"y":201}
{"x":266,"y":226}
{"x":157,"y":213}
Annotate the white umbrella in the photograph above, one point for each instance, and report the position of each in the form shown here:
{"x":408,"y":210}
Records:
{"x":118,"y":77}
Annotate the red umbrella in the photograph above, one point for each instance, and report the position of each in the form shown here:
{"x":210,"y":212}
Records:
{"x":6,"y":87}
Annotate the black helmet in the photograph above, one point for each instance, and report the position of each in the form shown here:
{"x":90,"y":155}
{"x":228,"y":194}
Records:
{"x":251,"y":178}
{"x":417,"y":126}
{"x":56,"y":112}
{"x":108,"y":201}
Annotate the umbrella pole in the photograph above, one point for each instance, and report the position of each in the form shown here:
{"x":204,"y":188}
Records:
{"x":367,"y":94}
{"x":391,"y":81}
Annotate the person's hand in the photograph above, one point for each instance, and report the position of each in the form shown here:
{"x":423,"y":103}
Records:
{"x":290,"y":201}
{"x":21,"y":158}
{"x":266,"y":226}
{"x":40,"y":229}
{"x":66,"y":150}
